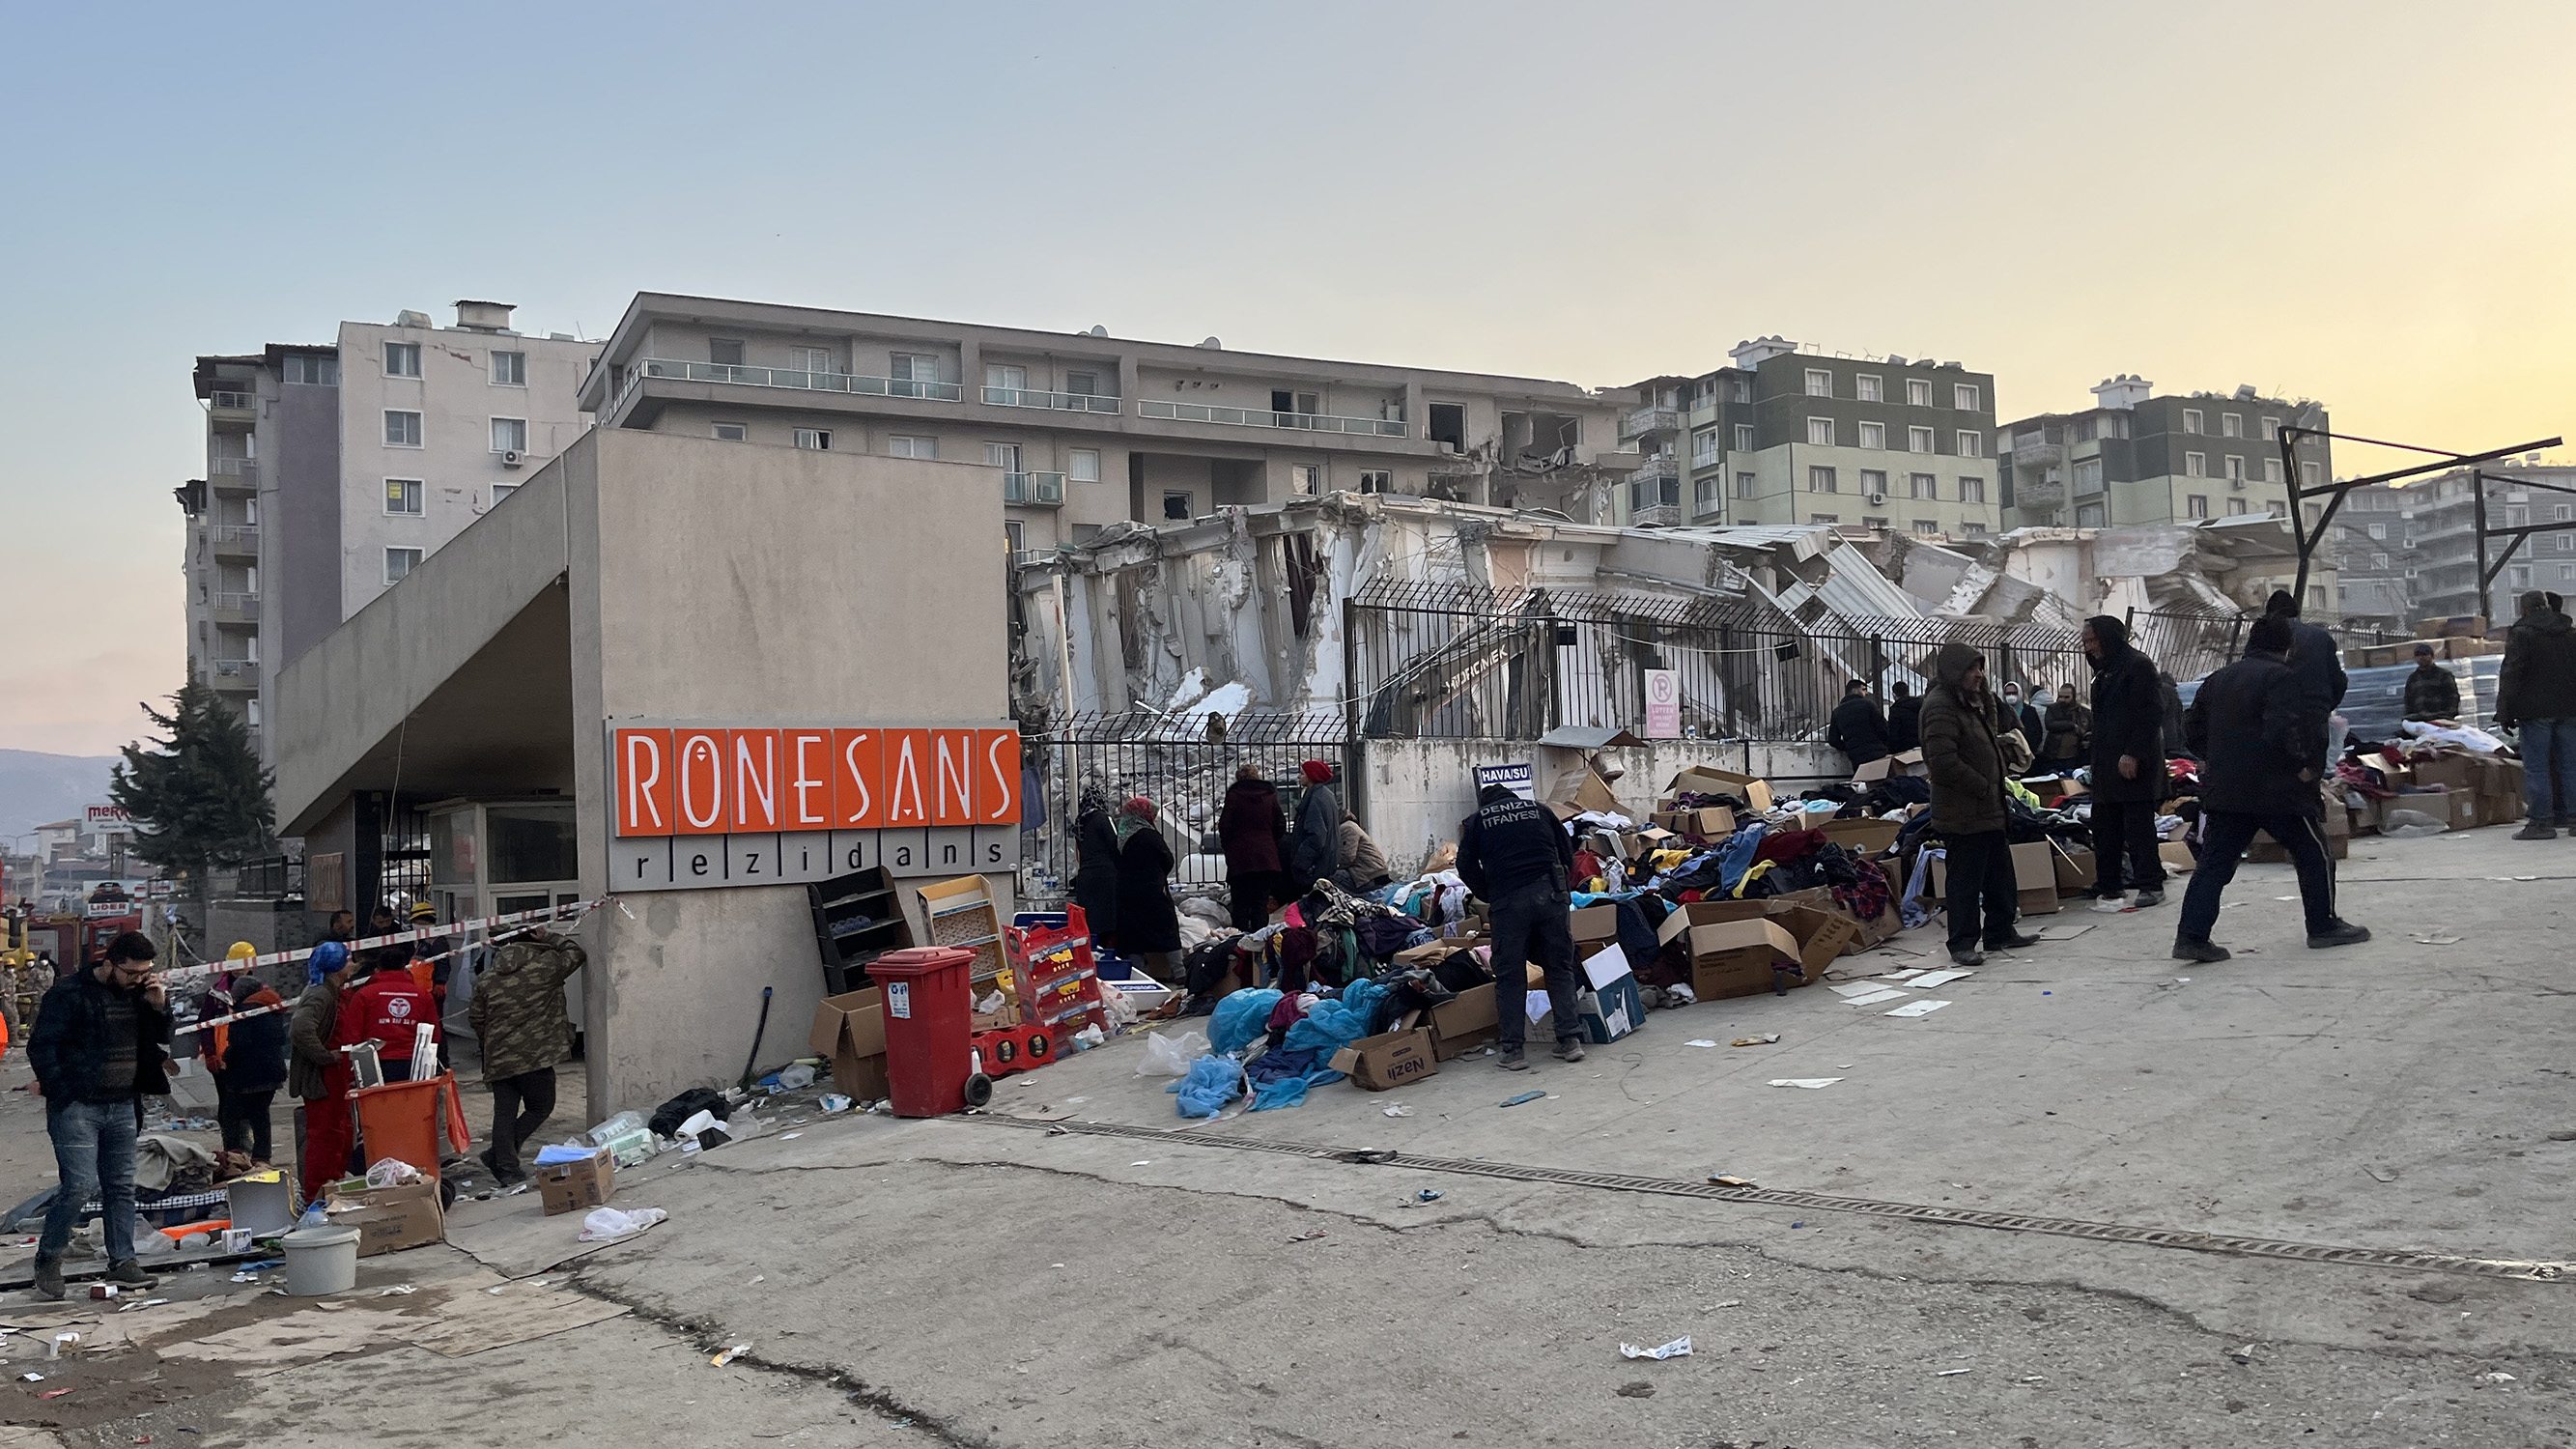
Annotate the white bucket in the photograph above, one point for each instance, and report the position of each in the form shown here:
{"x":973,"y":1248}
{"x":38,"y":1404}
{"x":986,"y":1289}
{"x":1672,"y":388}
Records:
{"x":320,"y":1260}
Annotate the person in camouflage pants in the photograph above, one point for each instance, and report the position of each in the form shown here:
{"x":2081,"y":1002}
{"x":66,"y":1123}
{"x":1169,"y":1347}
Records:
{"x":518,"y":1017}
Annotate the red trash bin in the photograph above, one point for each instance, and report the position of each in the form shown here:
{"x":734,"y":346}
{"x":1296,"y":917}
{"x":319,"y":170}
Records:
{"x":929,"y":1018}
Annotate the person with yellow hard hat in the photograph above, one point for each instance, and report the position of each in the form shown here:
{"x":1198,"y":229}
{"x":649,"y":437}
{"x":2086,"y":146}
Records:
{"x":246,"y":1058}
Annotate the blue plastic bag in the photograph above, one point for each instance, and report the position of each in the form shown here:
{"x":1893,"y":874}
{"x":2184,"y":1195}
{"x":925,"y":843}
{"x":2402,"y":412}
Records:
{"x":1239,"y":1018}
{"x":1213,"y":1081}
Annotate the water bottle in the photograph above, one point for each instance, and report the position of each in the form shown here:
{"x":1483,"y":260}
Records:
{"x":314,"y":1217}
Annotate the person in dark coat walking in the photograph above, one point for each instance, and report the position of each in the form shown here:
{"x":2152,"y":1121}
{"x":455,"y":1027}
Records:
{"x":1253,"y":833}
{"x":1857,"y":728}
{"x":1317,"y":843}
{"x":1515,"y":856}
{"x":2536,"y":698}
{"x":1148,"y":926}
{"x":1904,"y":720}
{"x":2170,"y":694}
{"x":2431,"y":692}
{"x":2128,"y":764}
{"x":2317,"y":663}
{"x":1095,"y":870}
{"x":2260,"y":735}
{"x":248,"y":1065}
{"x":1965,"y":759}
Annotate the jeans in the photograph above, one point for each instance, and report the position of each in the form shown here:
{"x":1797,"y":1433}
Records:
{"x":2224,"y":836}
{"x":2549,"y":749}
{"x":1535,"y":915}
{"x":243,"y":1116}
{"x":94,"y":1155}
{"x":1983,"y":899}
{"x":2126,"y":828}
{"x":520,"y":1105}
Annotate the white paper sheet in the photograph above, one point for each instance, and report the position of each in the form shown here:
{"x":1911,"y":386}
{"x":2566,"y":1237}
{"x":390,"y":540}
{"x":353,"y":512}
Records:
{"x":1678,"y":1348}
{"x":1855,"y":988}
{"x":1918,"y":1008}
{"x":1810,"y":1083}
{"x":1930,"y":979}
{"x":1606,"y":967}
{"x":1885,"y":993}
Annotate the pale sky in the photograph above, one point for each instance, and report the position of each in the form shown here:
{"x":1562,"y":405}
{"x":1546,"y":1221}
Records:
{"x":2369,"y":204}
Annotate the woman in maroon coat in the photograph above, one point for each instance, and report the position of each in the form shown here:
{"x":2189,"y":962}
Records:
{"x":1253,"y":832}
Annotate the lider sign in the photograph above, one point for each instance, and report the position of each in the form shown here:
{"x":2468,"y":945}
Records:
{"x":698,"y":805}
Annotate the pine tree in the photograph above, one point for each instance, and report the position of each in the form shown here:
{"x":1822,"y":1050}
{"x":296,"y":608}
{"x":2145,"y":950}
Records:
{"x":199,"y":797}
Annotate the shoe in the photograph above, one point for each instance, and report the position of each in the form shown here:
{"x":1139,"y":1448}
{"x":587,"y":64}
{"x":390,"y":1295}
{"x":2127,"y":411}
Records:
{"x":49,"y":1278}
{"x":1512,"y":1061}
{"x":2014,"y":942}
{"x":2149,"y":898}
{"x":2342,"y":933}
{"x":2535,"y":831}
{"x":2207,"y":953}
{"x":1967,"y":956}
{"x":128,"y":1274}
{"x":1569,"y":1051}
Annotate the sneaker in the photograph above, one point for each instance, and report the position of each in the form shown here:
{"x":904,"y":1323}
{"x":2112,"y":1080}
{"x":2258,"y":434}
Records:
{"x":49,"y":1278}
{"x":2014,"y":942}
{"x":1511,"y":1060}
{"x":128,"y":1274}
{"x":1569,"y":1051}
{"x":2342,"y":933}
{"x":2535,"y":831}
{"x":2207,"y":953}
{"x":2150,"y":898}
{"x":1967,"y":956}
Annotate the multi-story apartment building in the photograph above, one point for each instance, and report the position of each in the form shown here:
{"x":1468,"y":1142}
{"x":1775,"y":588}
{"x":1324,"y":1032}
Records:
{"x":1786,"y":436}
{"x":332,"y":468}
{"x":2429,"y":526}
{"x":2135,"y":457}
{"x":1086,"y":430}
{"x":2376,"y":562}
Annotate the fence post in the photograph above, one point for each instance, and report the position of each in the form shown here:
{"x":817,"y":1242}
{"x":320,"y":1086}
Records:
{"x":1877,"y":667}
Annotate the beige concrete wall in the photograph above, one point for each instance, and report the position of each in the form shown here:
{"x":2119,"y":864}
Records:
{"x":714,"y":581}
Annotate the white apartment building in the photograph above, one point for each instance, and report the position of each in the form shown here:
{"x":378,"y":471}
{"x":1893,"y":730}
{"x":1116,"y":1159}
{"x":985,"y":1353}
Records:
{"x":1085,"y":430}
{"x":332,"y":468}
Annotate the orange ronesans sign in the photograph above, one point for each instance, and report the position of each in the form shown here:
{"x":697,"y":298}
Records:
{"x":684,"y":780}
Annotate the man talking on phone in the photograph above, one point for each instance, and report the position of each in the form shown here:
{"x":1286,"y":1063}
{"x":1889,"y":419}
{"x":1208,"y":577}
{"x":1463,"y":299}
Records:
{"x":102,"y":1044}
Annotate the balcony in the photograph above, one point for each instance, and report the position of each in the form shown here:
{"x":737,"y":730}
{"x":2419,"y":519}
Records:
{"x":1266,"y":418}
{"x":233,"y":475}
{"x":1649,"y":422}
{"x":2035,"y":450}
{"x":1665,"y":513}
{"x":236,"y":609}
{"x":2039,"y":493}
{"x":235,"y":540}
{"x":1061,"y":402}
{"x":233,"y":676}
{"x":232,"y":412}
{"x":1033,"y":490}
{"x":794,"y":380}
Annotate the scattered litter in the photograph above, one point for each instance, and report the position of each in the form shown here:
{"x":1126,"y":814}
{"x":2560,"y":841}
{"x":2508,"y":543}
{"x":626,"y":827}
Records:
{"x":1678,"y":1348}
{"x":1905,"y":975}
{"x":789,"y":1136}
{"x":1428,"y":1194}
{"x":1948,"y":1373}
{"x":1705,"y":1042}
{"x":1308,"y":1236}
{"x":1930,"y":979}
{"x":2436,"y":938}
{"x":495,"y":1292}
{"x":2063,"y":932}
{"x":1142,"y":1162}
{"x":1768,"y":1038}
{"x":2242,"y":1355}
{"x":1728,"y":1180}
{"x":1523,"y":1097}
{"x":1887,"y":993}
{"x":2112,"y":907}
{"x":1917,"y":1008}
{"x":730,"y":1354}
{"x":2375,"y":1175}
{"x":2495,"y":1376}
{"x":31,"y":1378}
{"x":399,"y":1290}
{"x":757,"y":1278}
{"x":1637,"y":1389}
{"x":1854,"y":988}
{"x":1810,"y":1083}
{"x":1728,"y":1303}
{"x":834,"y":1102}
{"x":1398,"y":1109}
{"x":2182,"y":981}
{"x":608,"y":1224}
{"x":53,"y":1393}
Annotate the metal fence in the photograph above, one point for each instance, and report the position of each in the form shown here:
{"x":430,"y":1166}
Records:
{"x":1181,"y":762}
{"x":2188,"y":643}
{"x":1449,"y":661}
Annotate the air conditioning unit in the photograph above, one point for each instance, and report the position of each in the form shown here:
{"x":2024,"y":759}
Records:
{"x":514,"y":458}
{"x":1877,"y":498}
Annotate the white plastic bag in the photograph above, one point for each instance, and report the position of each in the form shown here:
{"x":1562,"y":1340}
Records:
{"x":2403,"y":824}
{"x":608,"y":1224}
{"x":391,"y":1172}
{"x":1171,"y":1056}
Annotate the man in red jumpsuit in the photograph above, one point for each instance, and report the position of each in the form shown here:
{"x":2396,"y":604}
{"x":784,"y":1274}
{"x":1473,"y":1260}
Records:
{"x":388,"y":1008}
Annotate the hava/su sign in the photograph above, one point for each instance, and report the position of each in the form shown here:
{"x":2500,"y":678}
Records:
{"x":720,"y":805}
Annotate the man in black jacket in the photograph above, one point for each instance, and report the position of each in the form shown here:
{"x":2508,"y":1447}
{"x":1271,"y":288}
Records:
{"x":2128,"y":764}
{"x":2536,"y":698}
{"x":2431,"y":692}
{"x":1857,"y":728}
{"x":2318,"y":665}
{"x":1515,"y":855}
{"x":101,"y":1045}
{"x":2259,"y":735}
{"x":1904,"y":719}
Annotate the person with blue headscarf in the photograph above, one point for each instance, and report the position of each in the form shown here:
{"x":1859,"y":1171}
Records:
{"x":318,"y":1075}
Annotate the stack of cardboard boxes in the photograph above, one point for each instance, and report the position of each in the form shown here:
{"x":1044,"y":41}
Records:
{"x":2457,"y":788}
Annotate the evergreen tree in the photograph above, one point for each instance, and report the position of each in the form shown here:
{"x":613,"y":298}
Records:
{"x":198,"y":797}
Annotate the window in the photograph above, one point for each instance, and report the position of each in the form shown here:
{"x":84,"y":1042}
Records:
{"x":1744,"y":437}
{"x":1869,"y":387}
{"x":399,"y":562}
{"x":1873,"y":483}
{"x":1867,"y":521}
{"x":2235,"y":507}
{"x":2566,"y":571}
{"x":1971,"y":444}
{"x":1082,"y":465}
{"x":1822,"y":480}
{"x":1825,"y":518}
{"x":814,"y":439}
{"x":1820,"y":432}
{"x":2231,"y":425}
{"x":906,"y":446}
{"x":1743,"y":389}
{"x":402,"y":497}
{"x":2196,"y":506}
{"x":2195,"y":465}
{"x":250,"y":710}
{"x":2235,"y":469}
{"x":2271,"y":430}
{"x":402,"y":359}
{"x":1176,"y":506}
{"x":501,"y":491}
{"x":2191,"y":420}
{"x":509,"y":369}
{"x":2379,"y":531}
{"x":509,"y":435}
{"x":1972,"y":490}
{"x":733,"y":432}
{"x":1820,"y":382}
{"x":1011,"y":534}
{"x":1922,"y":485}
{"x":1005,"y":456}
{"x":2521,"y":574}
{"x":304,"y":367}
{"x":1703,"y":447}
{"x":2085,"y":429}
{"x":915,"y":368}
{"x":1918,"y":440}
{"x":1745,"y":483}
{"x":2089,"y":515}
{"x":1972,"y":529}
{"x":2271,"y":470}
{"x":2311,"y":511}
{"x":2308,"y":473}
{"x":402,"y":429}
{"x":1873,"y":435}
{"x":1377,"y":481}
{"x":2562,"y":513}
{"x":1927,"y":527}
{"x":1963,"y":396}
{"x":2088,"y":475}
{"x":725,"y":351}
{"x":1307,"y":479}
{"x":1010,"y":382}
{"x":1918,"y":392}
{"x":1082,"y":384}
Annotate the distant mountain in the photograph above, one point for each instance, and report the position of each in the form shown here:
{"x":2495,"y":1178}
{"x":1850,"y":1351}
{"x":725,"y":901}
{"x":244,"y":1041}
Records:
{"x":37,"y":789}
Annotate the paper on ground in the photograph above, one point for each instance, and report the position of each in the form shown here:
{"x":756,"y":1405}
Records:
{"x":1810,"y":1083}
{"x":1703,"y":1042}
{"x":1678,"y":1348}
{"x":1906,"y":974}
{"x":1854,"y":988}
{"x":1884,"y":993}
{"x":2066,"y":932}
{"x":1918,"y":1008}
{"x":1930,"y":979}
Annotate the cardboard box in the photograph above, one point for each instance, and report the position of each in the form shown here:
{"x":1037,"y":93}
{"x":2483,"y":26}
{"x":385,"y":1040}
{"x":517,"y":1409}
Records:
{"x":1613,"y":1011}
{"x":389,"y":1219}
{"x":573,"y":1187}
{"x":1708,"y":780}
{"x":1389,"y":1059}
{"x":2055,"y":790}
{"x":1461,"y":1025}
{"x":1731,"y":955}
{"x":1867,"y":838}
{"x":1708,"y":822}
{"x":2177,"y":857}
{"x":850,"y":1029}
{"x":2035,"y":877}
{"x":1904,"y":762}
{"x":2452,"y":626}
{"x":1822,"y":935}
{"x":2076,"y":868}
{"x":1432,"y":953}
{"x":2462,"y":808}
{"x":2451,"y":772}
{"x":1591,"y":927}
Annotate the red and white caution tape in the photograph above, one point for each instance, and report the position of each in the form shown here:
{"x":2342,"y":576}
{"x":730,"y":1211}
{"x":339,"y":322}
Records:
{"x":534,"y":918}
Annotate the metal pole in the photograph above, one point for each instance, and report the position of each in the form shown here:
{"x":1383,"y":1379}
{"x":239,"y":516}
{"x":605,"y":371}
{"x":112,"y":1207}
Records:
{"x":2288,"y":439}
{"x":2478,"y":514}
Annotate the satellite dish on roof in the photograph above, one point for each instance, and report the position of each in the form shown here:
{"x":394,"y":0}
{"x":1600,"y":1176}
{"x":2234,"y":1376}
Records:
{"x":1097,"y":331}
{"x":1211,"y":343}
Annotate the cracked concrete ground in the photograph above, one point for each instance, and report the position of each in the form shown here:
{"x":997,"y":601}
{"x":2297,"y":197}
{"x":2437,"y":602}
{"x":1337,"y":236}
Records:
{"x":980,"y":1283}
